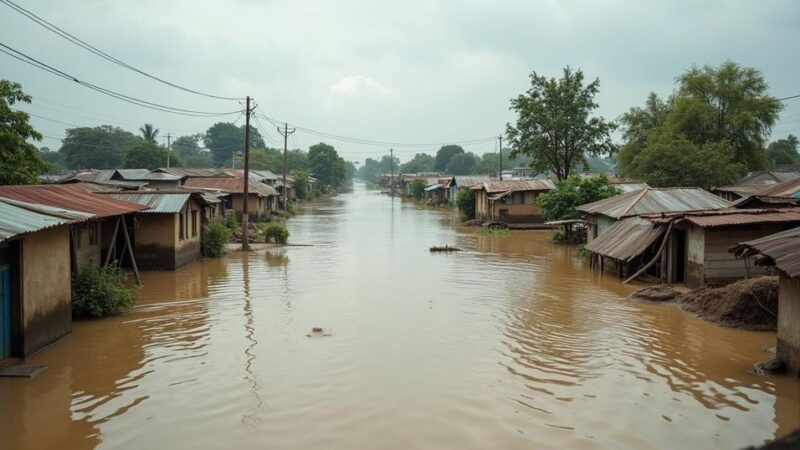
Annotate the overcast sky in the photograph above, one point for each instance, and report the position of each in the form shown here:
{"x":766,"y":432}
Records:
{"x":405,"y":71}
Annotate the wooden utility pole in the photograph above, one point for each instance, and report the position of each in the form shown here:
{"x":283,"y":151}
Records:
{"x":500,"y":138}
{"x":391,"y":163}
{"x":245,"y":211}
{"x":169,"y":147}
{"x":285,"y":134}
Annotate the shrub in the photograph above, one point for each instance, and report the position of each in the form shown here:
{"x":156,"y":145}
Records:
{"x":215,"y":237}
{"x":277,"y":233}
{"x":292,"y":208}
{"x":559,"y":235}
{"x":100,"y":292}
{"x":418,"y":189}
{"x":231,"y":222}
{"x":465,"y":201}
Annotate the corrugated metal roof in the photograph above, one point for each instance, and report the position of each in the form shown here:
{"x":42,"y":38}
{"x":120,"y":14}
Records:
{"x":133,"y":174}
{"x":653,"y":200}
{"x":790,"y":188}
{"x":492,"y":187}
{"x":730,"y":217}
{"x":162,"y":176}
{"x":18,"y":218}
{"x":70,"y":197}
{"x":232,"y":185}
{"x":157,"y":202}
{"x":741,"y":190}
{"x":782,"y":248}
{"x":626,"y":239}
{"x":183,"y":171}
{"x":433,"y":187}
{"x":768,"y":177}
{"x":630,"y":186}
{"x":467,"y":181}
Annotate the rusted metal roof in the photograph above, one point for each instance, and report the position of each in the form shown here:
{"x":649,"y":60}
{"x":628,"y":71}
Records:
{"x":729,"y":217}
{"x":789,"y":188}
{"x":765,"y":177}
{"x":741,"y":190}
{"x":162,"y":176}
{"x":627,"y":239}
{"x":232,"y":185}
{"x":467,"y":181}
{"x":70,"y":197}
{"x":156,"y":201}
{"x":493,"y":187}
{"x":655,"y":200}
{"x":183,"y":171}
{"x":18,"y":218}
{"x":782,"y":249}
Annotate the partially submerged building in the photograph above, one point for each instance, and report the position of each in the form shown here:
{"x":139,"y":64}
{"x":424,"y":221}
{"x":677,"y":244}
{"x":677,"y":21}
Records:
{"x":262,"y":198}
{"x":602,"y":214}
{"x":456,"y":183}
{"x":511,"y":202}
{"x":168,"y":233}
{"x":35,"y":278}
{"x":782,"y":251}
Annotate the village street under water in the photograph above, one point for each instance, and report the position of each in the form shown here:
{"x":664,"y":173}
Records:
{"x":513,"y":343}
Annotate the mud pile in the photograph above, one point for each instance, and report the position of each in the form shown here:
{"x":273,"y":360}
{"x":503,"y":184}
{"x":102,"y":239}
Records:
{"x":750,"y":304}
{"x":658,"y":293}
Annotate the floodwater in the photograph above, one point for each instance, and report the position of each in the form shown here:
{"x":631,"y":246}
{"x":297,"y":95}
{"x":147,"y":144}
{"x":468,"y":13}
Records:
{"x":513,"y":343}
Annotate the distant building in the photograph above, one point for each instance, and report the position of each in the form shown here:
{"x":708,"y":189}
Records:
{"x":262,"y":198}
{"x":755,"y":183}
{"x":458,"y":182}
{"x":512,"y":201}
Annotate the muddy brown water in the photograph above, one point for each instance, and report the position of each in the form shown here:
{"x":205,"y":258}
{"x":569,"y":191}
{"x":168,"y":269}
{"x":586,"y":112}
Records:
{"x":513,"y":343}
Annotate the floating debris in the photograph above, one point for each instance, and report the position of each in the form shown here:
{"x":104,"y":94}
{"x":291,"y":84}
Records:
{"x":444,"y":248}
{"x":318,"y":332}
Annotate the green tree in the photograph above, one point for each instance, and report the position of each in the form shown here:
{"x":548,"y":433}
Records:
{"x":387,"y":162}
{"x":421,"y":162}
{"x":444,"y":155}
{"x":671,"y":159}
{"x":19,"y":160}
{"x":726,"y":103}
{"x":368,"y":170}
{"x":783,"y":153}
{"x":54,"y":159}
{"x":560,"y":203}
{"x":301,"y":184}
{"x":146,"y":155}
{"x":555,"y":126}
{"x":462,"y":164}
{"x":187,"y":146}
{"x":418,"y":189}
{"x":149,"y":133}
{"x":102,"y":147}
{"x":326,"y":165}
{"x":224,"y":138}
{"x":465,"y":201}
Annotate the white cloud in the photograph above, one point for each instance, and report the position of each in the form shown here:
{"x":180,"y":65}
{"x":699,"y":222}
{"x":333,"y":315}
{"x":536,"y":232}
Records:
{"x":356,"y":87}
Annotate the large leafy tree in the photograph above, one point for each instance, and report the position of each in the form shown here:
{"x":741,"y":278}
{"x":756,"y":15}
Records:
{"x":421,"y":162}
{"x":729,"y":102}
{"x":54,"y":159}
{"x":444,"y":155}
{"x":102,"y":147}
{"x":149,"y":133}
{"x":561,"y":203}
{"x":783,"y":153}
{"x":326,"y":165}
{"x":462,"y":164}
{"x":19,"y":160}
{"x":555,"y":124}
{"x":224,"y":138}
{"x":147,"y":155}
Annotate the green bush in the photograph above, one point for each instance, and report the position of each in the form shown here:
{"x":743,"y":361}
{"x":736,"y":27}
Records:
{"x":231,"y":221}
{"x":465,"y":201}
{"x":292,"y":208}
{"x":277,"y":233}
{"x":100,"y":292}
{"x":418,"y":189}
{"x":216,"y":235}
{"x":559,"y":235}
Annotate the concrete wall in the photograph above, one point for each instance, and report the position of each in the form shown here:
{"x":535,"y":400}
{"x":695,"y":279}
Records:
{"x":788,"y":349}
{"x":46,"y":288}
{"x":695,"y":255}
{"x":481,"y":205}
{"x":158,"y":244}
{"x":256,"y":205}
{"x":86,"y":252}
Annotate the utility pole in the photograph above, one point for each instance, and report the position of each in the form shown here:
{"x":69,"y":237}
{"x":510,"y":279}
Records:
{"x":391,"y":180}
{"x":500,"y":138}
{"x":169,"y":147}
{"x":285,"y":134}
{"x":245,"y":243}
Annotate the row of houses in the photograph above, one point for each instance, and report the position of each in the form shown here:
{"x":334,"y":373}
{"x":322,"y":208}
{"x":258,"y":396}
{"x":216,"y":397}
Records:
{"x":136,"y":219}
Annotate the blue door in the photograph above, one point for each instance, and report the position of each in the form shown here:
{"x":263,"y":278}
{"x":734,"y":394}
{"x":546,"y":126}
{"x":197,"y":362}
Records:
{"x":5,"y":312}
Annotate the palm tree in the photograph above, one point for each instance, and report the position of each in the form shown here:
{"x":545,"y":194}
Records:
{"x":149,"y":133}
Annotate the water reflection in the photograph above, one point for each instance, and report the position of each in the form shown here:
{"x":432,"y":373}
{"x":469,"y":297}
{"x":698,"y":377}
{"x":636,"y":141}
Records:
{"x":513,"y":343}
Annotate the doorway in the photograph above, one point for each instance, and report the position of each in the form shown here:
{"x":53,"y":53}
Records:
{"x":679,"y":252}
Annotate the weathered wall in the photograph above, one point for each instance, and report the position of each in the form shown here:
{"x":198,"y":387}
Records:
{"x":85,"y":252}
{"x":604,"y":223}
{"x":481,"y":205}
{"x":788,"y":349}
{"x":722,"y":265}
{"x":46,"y":288}
{"x":256,"y":205}
{"x":189,"y":249}
{"x":155,"y":240}
{"x":695,"y":255}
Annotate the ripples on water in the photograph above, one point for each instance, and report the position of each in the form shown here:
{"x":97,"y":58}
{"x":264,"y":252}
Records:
{"x":512,"y":343}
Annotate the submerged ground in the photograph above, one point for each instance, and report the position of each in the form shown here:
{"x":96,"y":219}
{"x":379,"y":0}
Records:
{"x":513,"y":343}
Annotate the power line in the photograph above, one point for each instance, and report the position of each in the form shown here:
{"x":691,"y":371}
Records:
{"x":86,"y":46}
{"x":126,"y":98}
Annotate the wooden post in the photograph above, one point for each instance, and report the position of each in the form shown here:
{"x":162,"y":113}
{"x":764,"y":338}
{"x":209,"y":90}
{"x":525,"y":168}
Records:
{"x":111,"y":247}
{"x":130,"y":253}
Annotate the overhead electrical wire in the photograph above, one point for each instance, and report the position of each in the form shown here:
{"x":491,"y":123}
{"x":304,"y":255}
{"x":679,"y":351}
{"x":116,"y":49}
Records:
{"x":89,"y":47}
{"x":126,"y":98}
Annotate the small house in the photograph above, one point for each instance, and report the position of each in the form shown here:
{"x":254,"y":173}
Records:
{"x":168,"y":233}
{"x":782,"y":251}
{"x":261,"y":197}
{"x":35,"y":278}
{"x":600,"y":215}
{"x":510,"y":201}
{"x":754,"y":183}
{"x":458,"y":182}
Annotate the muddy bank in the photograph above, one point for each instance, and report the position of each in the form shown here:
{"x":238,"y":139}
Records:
{"x":750,"y":304}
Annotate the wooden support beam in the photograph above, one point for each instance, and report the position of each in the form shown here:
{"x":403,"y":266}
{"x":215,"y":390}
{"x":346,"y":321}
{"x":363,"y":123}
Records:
{"x":130,"y":253}
{"x":73,"y":250}
{"x":113,"y":244}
